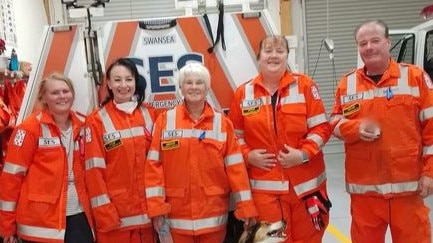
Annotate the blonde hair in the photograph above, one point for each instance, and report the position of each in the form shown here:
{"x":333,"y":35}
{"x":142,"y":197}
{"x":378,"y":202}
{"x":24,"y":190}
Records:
{"x":53,"y":76}
{"x":196,"y":69}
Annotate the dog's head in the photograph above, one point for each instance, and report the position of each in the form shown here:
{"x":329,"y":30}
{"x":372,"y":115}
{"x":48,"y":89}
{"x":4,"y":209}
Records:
{"x":265,"y":232}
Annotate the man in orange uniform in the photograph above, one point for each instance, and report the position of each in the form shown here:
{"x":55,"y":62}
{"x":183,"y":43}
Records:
{"x":281,"y":124}
{"x":193,"y":164}
{"x":383,"y":112}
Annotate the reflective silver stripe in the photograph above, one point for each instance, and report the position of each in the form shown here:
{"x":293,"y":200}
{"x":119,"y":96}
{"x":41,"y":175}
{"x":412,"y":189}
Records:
{"x":239,"y":132}
{"x":198,"y":224}
{"x":153,"y":155}
{"x":77,"y":145}
{"x":317,"y":139}
{"x":106,"y":120}
{"x":426,"y":114}
{"x":147,"y":118}
{"x":39,"y":116}
{"x":280,"y":186}
{"x":383,"y":189}
{"x":95,"y":163}
{"x":249,"y":94}
{"x":316,"y":120}
{"x":217,"y":119}
{"x":45,"y":131}
{"x":249,"y":91}
{"x":196,"y":133}
{"x":156,"y":191}
{"x":131,"y":132}
{"x":310,"y":184}
{"x":215,"y":134}
{"x":8,"y":206}
{"x":402,"y":87}
{"x":41,"y":232}
{"x":99,"y":200}
{"x":294,"y":96}
{"x":335,"y":117}
{"x":336,"y":131}
{"x":134,"y":220}
{"x":292,"y":99}
{"x":403,"y":81}
{"x":241,"y":141}
{"x":171,"y":119}
{"x":351,"y":84}
{"x":242,"y":196}
{"x":234,"y":159}
{"x":427,"y":150}
{"x":14,"y":169}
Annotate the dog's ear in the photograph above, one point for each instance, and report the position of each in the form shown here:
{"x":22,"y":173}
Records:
{"x":249,"y":234}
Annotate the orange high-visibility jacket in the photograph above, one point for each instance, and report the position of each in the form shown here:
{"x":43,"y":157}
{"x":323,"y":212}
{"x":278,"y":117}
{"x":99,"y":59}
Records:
{"x":191,"y":169}
{"x":402,"y":104}
{"x":116,"y":149}
{"x":299,"y":120}
{"x":34,"y":180}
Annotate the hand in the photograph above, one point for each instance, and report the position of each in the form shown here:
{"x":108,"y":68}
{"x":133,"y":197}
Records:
{"x":369,"y":130}
{"x":249,"y":222}
{"x":10,"y":239}
{"x":425,"y":186}
{"x":161,"y":226}
{"x":158,"y":221}
{"x":290,"y":158}
{"x":261,"y":159}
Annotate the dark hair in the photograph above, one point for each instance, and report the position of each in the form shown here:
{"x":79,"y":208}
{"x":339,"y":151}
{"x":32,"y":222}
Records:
{"x":377,"y":22}
{"x":140,"y":84}
{"x":273,"y":38}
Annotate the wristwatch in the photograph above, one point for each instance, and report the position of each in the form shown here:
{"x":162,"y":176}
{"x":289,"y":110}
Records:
{"x":305,"y":158}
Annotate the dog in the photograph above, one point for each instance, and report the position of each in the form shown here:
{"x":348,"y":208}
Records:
{"x":265,"y":232}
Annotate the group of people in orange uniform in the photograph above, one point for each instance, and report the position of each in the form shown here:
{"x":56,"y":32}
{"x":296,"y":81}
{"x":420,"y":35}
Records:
{"x":126,"y":173}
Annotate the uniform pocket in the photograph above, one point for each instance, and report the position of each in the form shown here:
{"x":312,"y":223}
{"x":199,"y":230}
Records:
{"x":406,"y":161}
{"x":216,"y":195}
{"x":294,"y":118}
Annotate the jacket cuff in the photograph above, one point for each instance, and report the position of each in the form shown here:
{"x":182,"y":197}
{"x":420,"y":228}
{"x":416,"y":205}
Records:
{"x":161,"y":209}
{"x":107,"y":218}
{"x":350,"y":131}
{"x":428,"y":167}
{"x":246,"y":210}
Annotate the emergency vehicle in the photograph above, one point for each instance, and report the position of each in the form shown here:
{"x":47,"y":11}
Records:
{"x":226,"y":43}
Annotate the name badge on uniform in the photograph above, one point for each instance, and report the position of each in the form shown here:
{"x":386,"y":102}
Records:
{"x":353,"y":97}
{"x":112,"y":144}
{"x":49,"y":142}
{"x":169,"y":134}
{"x":351,"y":109}
{"x":172,"y":144}
{"x":250,"y":107}
{"x":112,"y":140}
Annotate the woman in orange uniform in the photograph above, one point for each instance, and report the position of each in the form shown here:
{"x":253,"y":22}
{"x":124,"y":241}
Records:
{"x":117,"y":141}
{"x":193,"y":164}
{"x":43,"y":195}
{"x":281,"y":124}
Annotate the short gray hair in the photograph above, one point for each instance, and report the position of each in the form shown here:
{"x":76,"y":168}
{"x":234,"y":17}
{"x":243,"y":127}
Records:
{"x":196,"y":69}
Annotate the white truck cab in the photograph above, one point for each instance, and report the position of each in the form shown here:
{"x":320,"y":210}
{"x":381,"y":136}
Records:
{"x":414,"y":46}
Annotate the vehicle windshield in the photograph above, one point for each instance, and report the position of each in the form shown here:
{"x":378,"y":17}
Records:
{"x":403,"y":47}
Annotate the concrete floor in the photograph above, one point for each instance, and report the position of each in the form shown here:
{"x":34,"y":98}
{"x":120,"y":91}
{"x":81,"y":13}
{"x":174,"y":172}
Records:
{"x":339,"y":228}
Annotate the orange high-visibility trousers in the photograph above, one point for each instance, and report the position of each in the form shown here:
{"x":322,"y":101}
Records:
{"x":407,"y":217}
{"x":142,"y":235}
{"x":217,"y":236}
